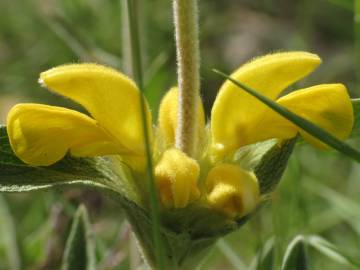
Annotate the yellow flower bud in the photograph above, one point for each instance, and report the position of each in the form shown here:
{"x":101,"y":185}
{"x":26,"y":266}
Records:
{"x":176,"y":178}
{"x":231,"y":190}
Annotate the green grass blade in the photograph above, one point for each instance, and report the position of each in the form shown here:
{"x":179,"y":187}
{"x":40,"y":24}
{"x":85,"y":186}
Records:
{"x":233,"y":258}
{"x":332,"y":252}
{"x":346,"y":4}
{"x":137,"y":71}
{"x":357,"y":42}
{"x":8,"y":241}
{"x":341,"y":205}
{"x":356,"y":107}
{"x":295,"y":257}
{"x":306,"y":125}
{"x":79,"y":251}
{"x":295,"y":254}
{"x":264,"y":259}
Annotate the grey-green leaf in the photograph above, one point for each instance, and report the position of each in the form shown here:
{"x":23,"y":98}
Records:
{"x":17,"y":176}
{"x":79,"y":251}
{"x":273,"y":164}
{"x":267,"y":159}
{"x":100,"y":173}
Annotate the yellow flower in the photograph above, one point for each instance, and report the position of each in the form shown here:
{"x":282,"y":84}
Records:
{"x":41,"y":135}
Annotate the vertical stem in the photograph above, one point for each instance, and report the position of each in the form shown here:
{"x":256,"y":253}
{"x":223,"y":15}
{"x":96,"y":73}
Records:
{"x":137,"y":72}
{"x":305,"y":22}
{"x":357,"y":42}
{"x":125,"y":35}
{"x":187,"y":50}
{"x":125,"y":40}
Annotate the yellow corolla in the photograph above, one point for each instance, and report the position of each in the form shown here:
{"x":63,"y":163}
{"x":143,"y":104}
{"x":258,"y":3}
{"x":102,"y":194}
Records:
{"x":41,"y":135}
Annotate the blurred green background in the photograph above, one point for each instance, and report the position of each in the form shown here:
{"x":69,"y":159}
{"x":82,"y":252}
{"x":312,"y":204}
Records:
{"x":319,"y":193}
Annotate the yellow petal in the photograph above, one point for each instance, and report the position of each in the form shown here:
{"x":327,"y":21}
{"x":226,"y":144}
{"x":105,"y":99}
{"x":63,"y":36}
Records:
{"x":231,"y":190}
{"x":109,"y":96}
{"x":235,"y":112}
{"x":176,"y":178}
{"x":41,"y":135}
{"x":168,"y":115}
{"x":326,"y":105}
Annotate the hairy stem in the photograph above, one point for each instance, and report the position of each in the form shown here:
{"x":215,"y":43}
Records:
{"x":187,"y":48}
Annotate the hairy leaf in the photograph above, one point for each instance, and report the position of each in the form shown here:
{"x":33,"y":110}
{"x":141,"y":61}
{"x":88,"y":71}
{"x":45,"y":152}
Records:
{"x":101,"y":173}
{"x":267,"y":159}
{"x":273,"y":164}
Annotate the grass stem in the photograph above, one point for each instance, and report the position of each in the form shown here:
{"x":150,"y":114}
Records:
{"x":138,"y":76}
{"x":357,"y":42}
